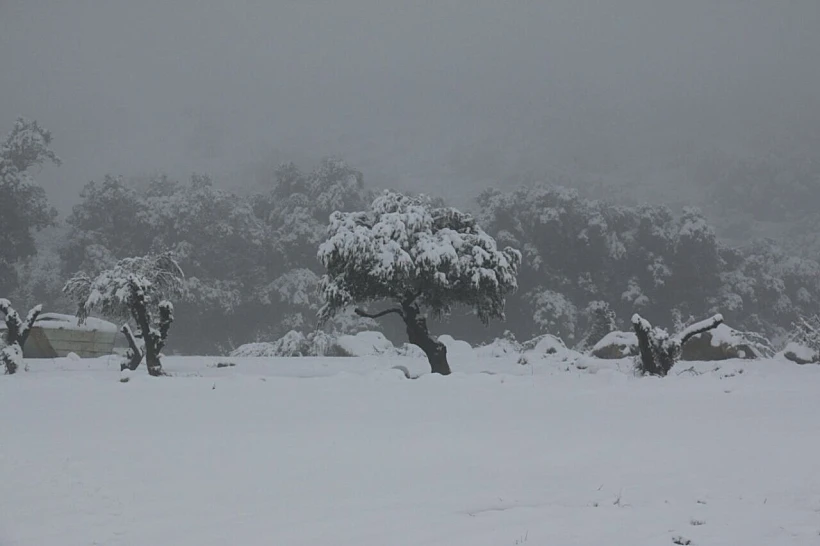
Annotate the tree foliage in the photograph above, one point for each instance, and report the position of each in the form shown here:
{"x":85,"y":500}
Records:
{"x":405,"y":251}
{"x":24,"y":208}
{"x":133,"y":289}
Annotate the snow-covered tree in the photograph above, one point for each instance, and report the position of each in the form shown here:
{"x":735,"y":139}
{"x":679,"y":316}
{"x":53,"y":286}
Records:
{"x":419,"y":257}
{"x":659,"y":350}
{"x":136,"y":289}
{"x":17,"y":331}
{"x":23,"y":205}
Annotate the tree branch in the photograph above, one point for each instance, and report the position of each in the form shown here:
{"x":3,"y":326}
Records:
{"x":364,"y":314}
{"x":30,"y":320}
{"x":134,"y":355}
{"x":699,"y":328}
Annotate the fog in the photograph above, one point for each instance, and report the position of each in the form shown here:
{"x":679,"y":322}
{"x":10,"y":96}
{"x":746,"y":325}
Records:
{"x":415,"y":94}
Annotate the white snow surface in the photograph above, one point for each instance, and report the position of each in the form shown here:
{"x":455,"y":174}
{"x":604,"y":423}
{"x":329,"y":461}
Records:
{"x":346,"y":451}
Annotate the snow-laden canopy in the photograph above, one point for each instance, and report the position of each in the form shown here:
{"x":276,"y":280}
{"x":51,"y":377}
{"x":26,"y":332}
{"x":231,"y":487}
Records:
{"x":404,"y":249}
{"x":152,"y":277}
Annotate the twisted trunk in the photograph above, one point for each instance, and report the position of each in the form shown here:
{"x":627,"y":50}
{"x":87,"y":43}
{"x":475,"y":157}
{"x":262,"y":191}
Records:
{"x":150,"y":339}
{"x":134,"y":355}
{"x":418,"y":335}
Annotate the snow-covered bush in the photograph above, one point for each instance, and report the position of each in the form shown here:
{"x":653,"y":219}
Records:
{"x":16,"y":334}
{"x":804,"y":340}
{"x":136,"y":289}
{"x":296,"y":344}
{"x":659,"y":351}
{"x":408,"y":252}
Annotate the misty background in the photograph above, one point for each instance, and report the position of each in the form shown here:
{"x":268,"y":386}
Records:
{"x":448,"y":96}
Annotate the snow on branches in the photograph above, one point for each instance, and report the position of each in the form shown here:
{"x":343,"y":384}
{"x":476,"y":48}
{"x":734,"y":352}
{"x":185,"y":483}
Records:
{"x":134,"y":288}
{"x":408,"y":251}
{"x":405,"y":250}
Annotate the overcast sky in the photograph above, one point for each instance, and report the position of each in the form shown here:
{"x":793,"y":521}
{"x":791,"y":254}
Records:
{"x":408,"y":91}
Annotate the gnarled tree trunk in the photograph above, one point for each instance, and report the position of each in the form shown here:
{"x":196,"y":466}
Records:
{"x":418,"y":335}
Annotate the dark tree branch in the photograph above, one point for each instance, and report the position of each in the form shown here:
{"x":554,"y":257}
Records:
{"x":365,"y":314}
{"x":700,"y":328}
{"x":134,"y":355}
{"x":30,"y":320}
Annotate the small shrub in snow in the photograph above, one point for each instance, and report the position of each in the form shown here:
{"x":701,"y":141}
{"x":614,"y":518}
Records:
{"x":17,"y":332}
{"x":544,"y":344}
{"x":658,"y":350}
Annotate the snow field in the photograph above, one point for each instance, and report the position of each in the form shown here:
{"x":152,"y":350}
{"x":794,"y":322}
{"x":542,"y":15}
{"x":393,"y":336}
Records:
{"x":349,"y":452}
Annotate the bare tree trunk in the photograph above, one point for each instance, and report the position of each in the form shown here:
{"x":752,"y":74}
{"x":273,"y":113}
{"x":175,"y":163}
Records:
{"x":150,"y":339}
{"x":134,"y":355}
{"x":419,"y":335}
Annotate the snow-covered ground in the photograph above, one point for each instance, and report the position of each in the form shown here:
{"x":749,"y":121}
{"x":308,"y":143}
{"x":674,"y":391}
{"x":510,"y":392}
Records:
{"x":346,"y":451}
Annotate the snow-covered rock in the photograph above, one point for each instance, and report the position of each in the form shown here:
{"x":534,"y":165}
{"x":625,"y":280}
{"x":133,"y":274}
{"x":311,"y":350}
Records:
{"x":723,"y":343}
{"x":616,"y":345}
{"x":800,"y":353}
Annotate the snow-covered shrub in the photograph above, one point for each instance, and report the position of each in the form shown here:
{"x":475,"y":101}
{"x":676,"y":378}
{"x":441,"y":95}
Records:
{"x":296,"y":344}
{"x":415,"y":255}
{"x":804,"y":340}
{"x":17,"y":331}
{"x":546,"y":344}
{"x":659,"y":351}
{"x":135,"y":289}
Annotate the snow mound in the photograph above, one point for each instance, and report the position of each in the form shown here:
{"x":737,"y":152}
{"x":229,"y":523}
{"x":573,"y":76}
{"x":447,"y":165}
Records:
{"x":456,"y":348}
{"x":616,"y":345}
{"x":366,"y":343}
{"x":546,"y":344}
{"x":800,"y":354}
{"x":501,"y":347}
